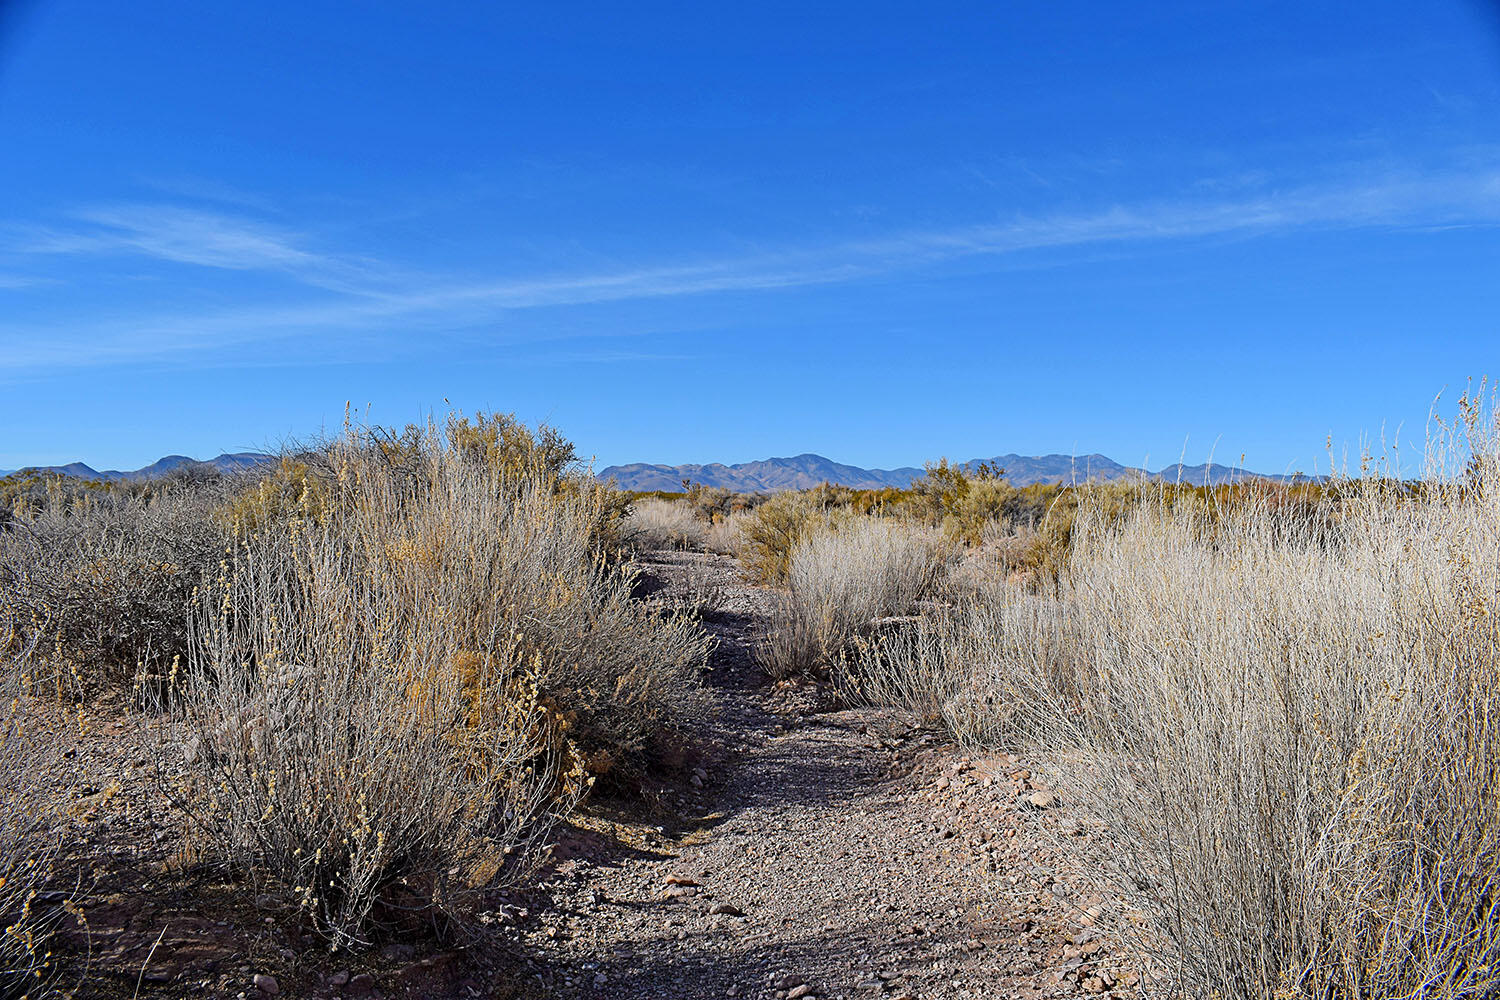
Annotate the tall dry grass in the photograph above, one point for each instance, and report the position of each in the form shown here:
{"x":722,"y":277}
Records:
{"x":726,"y":535}
{"x":400,"y":678}
{"x":842,"y":583}
{"x":1287,"y":722}
{"x":34,"y":896}
{"x":664,"y":524}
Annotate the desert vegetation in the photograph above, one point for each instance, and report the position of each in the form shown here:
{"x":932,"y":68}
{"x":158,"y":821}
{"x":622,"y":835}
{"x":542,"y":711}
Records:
{"x":846,"y":583}
{"x":1280,"y":701}
{"x":380,"y":670}
{"x":379,"y":674}
{"x":35,"y":896}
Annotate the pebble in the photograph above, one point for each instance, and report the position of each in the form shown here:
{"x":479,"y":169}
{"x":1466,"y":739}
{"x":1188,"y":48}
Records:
{"x":266,"y":984}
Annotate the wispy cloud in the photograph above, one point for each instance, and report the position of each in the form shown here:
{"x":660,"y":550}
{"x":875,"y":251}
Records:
{"x":185,"y":235}
{"x":370,"y":299}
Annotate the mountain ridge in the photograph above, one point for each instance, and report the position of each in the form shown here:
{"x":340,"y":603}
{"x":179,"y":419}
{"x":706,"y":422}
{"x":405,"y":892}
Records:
{"x":763,"y":475}
{"x":227,"y":462}
{"x":808,"y":470}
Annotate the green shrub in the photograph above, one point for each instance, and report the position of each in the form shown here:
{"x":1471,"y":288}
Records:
{"x":773,"y":529}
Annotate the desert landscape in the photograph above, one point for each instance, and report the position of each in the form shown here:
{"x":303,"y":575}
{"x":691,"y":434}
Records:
{"x":781,"y":501}
{"x":438,"y":712}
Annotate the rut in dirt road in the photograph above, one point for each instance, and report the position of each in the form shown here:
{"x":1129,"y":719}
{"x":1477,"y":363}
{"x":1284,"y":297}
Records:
{"x":827,"y":854}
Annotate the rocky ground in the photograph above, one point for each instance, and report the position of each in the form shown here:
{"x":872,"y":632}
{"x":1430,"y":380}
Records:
{"x":801,"y":851}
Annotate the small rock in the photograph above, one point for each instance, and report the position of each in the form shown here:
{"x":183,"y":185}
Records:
{"x":1042,"y":799}
{"x":339,"y":978}
{"x":726,"y":909}
{"x":398,"y":953}
{"x":266,"y":984}
{"x":798,"y":992}
{"x":789,"y":981}
{"x":681,"y":880}
{"x":362,"y":984}
{"x":601,"y":979}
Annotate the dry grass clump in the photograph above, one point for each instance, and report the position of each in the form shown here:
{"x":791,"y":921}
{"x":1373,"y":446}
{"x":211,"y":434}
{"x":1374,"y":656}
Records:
{"x":1288,"y":722}
{"x":393,"y":691}
{"x":982,"y":669}
{"x":841,"y":583}
{"x":663,"y":524}
{"x":29,"y":844}
{"x":32,"y":825}
{"x":96,"y":580}
{"x":726,"y":536}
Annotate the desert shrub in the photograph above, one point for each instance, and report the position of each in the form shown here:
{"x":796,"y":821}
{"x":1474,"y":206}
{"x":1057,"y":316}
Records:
{"x":385,"y":705}
{"x":348,"y":746}
{"x":772,"y":531}
{"x":505,"y":445}
{"x":295,"y":487}
{"x":987,"y":669}
{"x":1287,"y":718}
{"x":726,"y":536}
{"x":840,"y":583}
{"x":663,"y":524}
{"x":97,"y":581}
{"x":986,"y":502}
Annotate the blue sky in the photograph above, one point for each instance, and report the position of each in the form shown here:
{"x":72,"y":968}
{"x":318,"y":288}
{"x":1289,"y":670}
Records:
{"x":696,"y":232}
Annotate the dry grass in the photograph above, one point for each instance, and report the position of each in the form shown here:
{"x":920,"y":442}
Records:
{"x":726,"y":535}
{"x":1287,"y":722}
{"x":97,"y":581}
{"x":841,"y":583}
{"x":33,"y":824}
{"x":663,"y":524}
{"x":397,"y":681}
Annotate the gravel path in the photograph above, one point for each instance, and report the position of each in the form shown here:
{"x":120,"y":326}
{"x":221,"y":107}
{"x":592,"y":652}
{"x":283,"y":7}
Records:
{"x":827,"y":853}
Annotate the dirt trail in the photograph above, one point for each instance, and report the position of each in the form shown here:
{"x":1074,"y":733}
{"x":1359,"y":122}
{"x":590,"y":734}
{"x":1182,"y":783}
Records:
{"x":827,"y":853}
{"x":798,"y":851}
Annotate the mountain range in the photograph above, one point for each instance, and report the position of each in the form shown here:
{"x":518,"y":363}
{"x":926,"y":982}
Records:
{"x":236,"y":462}
{"x":804,"y":471}
{"x":766,"y":475}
